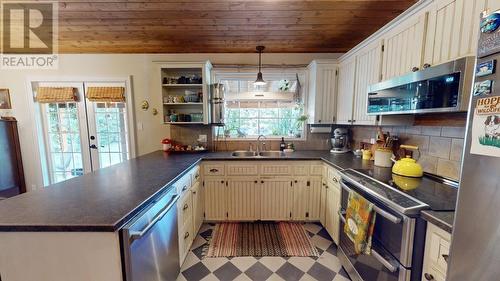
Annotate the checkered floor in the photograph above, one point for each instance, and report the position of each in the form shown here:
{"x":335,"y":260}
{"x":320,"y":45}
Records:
{"x":326,"y":267}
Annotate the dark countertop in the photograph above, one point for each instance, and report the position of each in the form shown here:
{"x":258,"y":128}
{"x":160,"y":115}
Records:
{"x":443,"y":220}
{"x":106,"y":199}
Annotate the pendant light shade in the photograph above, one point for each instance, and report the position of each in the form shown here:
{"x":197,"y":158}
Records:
{"x":260,"y":81}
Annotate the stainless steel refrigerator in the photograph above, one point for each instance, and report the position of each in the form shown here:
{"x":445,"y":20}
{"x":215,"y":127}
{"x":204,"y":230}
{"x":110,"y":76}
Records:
{"x":475,"y":247}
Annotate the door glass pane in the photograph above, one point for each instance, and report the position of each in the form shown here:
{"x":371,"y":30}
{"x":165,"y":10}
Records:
{"x":112,"y":133}
{"x":63,"y":141}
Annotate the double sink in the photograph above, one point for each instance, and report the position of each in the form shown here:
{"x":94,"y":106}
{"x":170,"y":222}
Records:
{"x":254,"y":154}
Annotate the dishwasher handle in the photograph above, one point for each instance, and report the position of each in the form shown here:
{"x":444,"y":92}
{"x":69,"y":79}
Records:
{"x":135,"y":235}
{"x":377,"y":210}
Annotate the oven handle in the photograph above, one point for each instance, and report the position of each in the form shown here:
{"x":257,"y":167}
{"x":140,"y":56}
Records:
{"x":389,"y":265}
{"x":379,"y":211}
{"x":134,"y":235}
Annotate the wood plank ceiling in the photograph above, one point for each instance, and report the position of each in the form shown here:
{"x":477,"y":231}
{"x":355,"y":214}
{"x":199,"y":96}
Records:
{"x":218,"y":26}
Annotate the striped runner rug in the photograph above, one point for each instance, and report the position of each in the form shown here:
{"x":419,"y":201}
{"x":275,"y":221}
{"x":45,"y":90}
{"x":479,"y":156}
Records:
{"x":284,"y":239}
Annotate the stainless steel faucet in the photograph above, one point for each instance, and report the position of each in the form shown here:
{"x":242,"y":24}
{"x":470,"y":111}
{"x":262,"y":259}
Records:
{"x":259,"y":143}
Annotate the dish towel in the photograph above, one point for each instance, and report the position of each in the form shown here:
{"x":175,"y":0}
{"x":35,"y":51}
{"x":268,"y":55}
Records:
{"x":360,"y":222}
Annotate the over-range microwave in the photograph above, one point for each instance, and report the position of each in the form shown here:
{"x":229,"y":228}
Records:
{"x":441,"y":88}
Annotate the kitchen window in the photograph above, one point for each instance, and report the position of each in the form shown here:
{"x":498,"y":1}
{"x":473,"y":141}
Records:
{"x":274,"y":110}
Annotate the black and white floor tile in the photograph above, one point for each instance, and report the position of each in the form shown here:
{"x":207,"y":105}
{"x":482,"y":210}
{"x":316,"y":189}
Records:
{"x":326,"y":267}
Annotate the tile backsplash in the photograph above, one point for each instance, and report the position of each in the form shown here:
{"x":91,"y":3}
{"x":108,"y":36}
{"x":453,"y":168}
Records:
{"x":440,"y":147}
{"x":189,"y":134}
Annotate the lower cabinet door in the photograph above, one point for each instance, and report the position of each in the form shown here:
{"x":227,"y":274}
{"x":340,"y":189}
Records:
{"x":198,"y":208}
{"x":243,"y":198}
{"x":300,"y":202}
{"x":322,"y":203}
{"x":276,"y":199}
{"x":215,"y":199}
{"x":332,"y":207}
{"x":314,"y":205}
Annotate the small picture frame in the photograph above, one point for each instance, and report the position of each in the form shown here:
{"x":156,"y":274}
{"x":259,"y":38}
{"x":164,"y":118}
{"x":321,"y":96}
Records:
{"x":483,"y":88}
{"x":5,"y":102}
{"x":485,"y":68}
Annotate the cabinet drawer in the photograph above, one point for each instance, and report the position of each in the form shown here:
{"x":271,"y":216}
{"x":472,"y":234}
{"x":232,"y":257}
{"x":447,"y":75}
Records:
{"x":183,"y":183}
{"x":185,"y":241}
{"x":317,"y":170}
{"x":301,"y":170}
{"x":276,"y":170}
{"x":437,"y":248}
{"x":184,"y":210}
{"x":214,"y":169}
{"x":431,"y":274}
{"x":195,"y":175}
{"x":242,"y":169}
{"x":333,"y":175}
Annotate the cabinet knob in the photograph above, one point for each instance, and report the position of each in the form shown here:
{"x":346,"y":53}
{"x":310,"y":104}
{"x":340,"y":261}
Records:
{"x":255,"y":181}
{"x":184,"y":188}
{"x":186,"y":235}
{"x":446,"y":257}
{"x":428,"y":276}
{"x":185,"y":207}
{"x":319,"y":121}
{"x":414,"y":69}
{"x":426,"y":65}
{"x":214,"y":170}
{"x":261,"y":181}
{"x":295,"y":181}
{"x":221,"y":181}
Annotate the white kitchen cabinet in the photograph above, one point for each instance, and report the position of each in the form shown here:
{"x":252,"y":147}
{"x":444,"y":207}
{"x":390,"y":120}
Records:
{"x":276,"y":198}
{"x":332,"y":220}
{"x":215,"y":199}
{"x":368,"y":71}
{"x":321,"y":91}
{"x":314,"y":208}
{"x":243,"y":199}
{"x":185,"y":223}
{"x":452,"y":30}
{"x":323,"y":202}
{"x":300,"y":204}
{"x":198,"y":206}
{"x":437,"y":248}
{"x":345,"y":92}
{"x":403,"y":46}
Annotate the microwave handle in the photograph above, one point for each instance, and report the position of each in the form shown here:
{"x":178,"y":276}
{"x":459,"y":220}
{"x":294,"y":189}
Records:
{"x":379,"y":211}
{"x":135,"y":235}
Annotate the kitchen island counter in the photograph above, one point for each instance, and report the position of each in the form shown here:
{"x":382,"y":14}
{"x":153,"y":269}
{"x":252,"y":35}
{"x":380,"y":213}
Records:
{"x":106,"y":199}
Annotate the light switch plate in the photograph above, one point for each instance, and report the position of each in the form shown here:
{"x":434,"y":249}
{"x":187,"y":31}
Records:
{"x":202,"y":138}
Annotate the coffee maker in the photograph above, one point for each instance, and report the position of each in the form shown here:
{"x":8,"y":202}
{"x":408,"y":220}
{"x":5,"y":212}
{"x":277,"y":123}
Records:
{"x":340,"y":141}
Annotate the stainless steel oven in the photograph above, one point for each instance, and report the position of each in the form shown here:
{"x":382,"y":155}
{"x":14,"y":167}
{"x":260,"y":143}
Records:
{"x":150,"y":242}
{"x":397,"y":244}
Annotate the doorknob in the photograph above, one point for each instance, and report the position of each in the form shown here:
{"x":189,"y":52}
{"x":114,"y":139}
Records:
{"x":93,"y":146}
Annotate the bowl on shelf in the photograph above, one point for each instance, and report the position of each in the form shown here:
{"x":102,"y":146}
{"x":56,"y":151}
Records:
{"x":196,"y":117}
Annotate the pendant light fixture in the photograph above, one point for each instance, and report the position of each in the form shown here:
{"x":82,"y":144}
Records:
{"x":260,"y":81}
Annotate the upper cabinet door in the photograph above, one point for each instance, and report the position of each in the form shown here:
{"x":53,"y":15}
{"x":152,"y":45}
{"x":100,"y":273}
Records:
{"x":322,"y":88}
{"x":345,"y":93}
{"x":368,"y":68}
{"x":403,"y":47}
{"x":452,"y":30}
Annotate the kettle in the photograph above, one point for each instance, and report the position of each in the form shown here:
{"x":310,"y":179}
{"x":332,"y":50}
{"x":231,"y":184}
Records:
{"x":408,"y":166}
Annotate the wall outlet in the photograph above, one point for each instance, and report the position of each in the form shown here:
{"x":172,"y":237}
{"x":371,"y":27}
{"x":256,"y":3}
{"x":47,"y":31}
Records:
{"x":202,"y":138}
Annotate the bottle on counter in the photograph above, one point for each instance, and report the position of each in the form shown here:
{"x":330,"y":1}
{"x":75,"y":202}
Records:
{"x":282,"y":144}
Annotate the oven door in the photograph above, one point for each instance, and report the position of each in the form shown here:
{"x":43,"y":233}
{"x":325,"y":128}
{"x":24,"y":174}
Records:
{"x":392,"y":242}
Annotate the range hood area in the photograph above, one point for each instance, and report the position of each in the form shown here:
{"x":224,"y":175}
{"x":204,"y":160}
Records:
{"x":441,"y":88}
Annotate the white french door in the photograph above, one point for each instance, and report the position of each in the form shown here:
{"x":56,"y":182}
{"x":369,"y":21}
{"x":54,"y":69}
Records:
{"x":82,"y":136}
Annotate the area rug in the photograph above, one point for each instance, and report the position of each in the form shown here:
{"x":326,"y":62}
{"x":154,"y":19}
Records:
{"x":258,"y":239}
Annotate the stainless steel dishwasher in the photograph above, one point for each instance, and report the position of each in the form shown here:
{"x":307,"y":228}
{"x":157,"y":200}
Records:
{"x":150,"y":242}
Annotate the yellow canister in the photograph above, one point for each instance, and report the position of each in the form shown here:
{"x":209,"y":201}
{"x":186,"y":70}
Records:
{"x":367,"y":154}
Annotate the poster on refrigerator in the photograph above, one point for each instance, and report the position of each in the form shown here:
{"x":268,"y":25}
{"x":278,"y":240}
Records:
{"x":486,"y":127}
